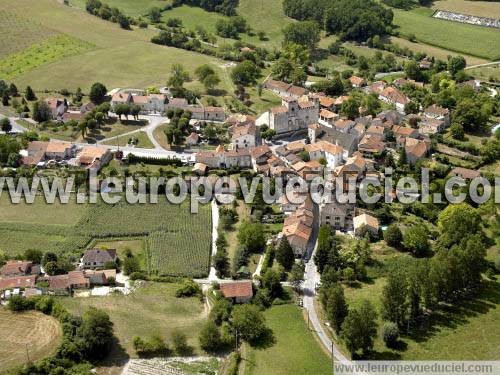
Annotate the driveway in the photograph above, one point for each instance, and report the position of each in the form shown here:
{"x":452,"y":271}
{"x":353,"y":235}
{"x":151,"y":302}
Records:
{"x":153,"y":123}
{"x":16,"y":128}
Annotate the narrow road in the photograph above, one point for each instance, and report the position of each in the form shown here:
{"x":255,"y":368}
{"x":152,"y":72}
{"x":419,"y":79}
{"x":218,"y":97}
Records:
{"x":312,"y":277}
{"x":482,"y":65}
{"x":215,"y":224}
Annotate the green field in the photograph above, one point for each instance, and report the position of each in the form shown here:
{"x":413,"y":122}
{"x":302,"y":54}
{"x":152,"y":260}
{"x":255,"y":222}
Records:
{"x":120,"y":58}
{"x":453,"y":36}
{"x":155,"y":302}
{"x":50,"y":50}
{"x":133,"y":8}
{"x":20,"y":33}
{"x":261,"y":15}
{"x":296,"y":351}
{"x":73,"y":227}
{"x":437,"y":52}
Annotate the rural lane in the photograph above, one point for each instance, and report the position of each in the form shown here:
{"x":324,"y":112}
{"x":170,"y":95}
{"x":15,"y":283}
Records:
{"x":311,"y":279}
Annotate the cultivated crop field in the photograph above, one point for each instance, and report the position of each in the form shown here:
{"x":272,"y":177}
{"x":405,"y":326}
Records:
{"x":179,"y":241}
{"x":469,"y":39}
{"x":50,"y":50}
{"x":31,"y":332}
{"x":19,"y":33}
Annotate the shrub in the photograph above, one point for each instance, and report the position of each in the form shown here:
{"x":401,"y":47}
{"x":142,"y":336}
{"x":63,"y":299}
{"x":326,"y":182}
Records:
{"x":188,"y":289}
{"x":154,"y":346}
{"x":18,"y":303}
{"x":390,"y":334}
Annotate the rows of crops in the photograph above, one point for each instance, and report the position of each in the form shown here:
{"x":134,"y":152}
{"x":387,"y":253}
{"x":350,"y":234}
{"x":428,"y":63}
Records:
{"x":178,"y":241}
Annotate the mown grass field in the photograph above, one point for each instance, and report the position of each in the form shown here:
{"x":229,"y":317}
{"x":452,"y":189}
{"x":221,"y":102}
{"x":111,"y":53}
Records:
{"x":260,"y":15}
{"x":469,"y":39}
{"x":296,"y":350}
{"x":152,"y":309}
{"x":29,"y":333}
{"x":120,"y":58}
{"x":489,"y":9}
{"x":437,"y":52}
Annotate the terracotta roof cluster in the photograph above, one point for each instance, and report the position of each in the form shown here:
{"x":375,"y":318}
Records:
{"x":297,"y":227}
{"x":16,"y":268}
{"x":357,"y":81}
{"x":435,"y":110}
{"x":17,"y":282}
{"x":371,"y":143}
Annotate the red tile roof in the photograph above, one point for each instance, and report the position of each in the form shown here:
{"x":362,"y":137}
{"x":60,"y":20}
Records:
{"x":237,"y":289}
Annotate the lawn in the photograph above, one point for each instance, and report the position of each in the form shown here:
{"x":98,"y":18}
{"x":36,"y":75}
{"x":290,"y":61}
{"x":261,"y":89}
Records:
{"x":142,"y":138}
{"x":154,"y":304}
{"x":161,"y":138}
{"x":296,"y":351}
{"x":26,"y":334}
{"x":487,"y":73}
{"x":453,"y":36}
{"x":136,"y":246}
{"x":476,"y":8}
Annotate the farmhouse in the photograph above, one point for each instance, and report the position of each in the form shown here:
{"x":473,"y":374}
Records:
{"x":393,"y":96}
{"x":438,"y":113}
{"x":71,"y":280}
{"x":93,"y":157}
{"x":97,"y":258}
{"x":357,"y":81}
{"x":365,"y":222}
{"x":19,"y":268}
{"x":192,"y":139}
{"x":244,"y":136}
{"x":37,"y":152}
{"x":237,"y":291}
{"x":285,"y":89}
{"x":415,"y":150}
{"x":337,"y":216}
{"x":57,"y":107}
{"x":348,"y":142}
